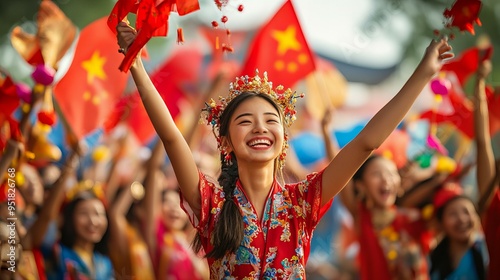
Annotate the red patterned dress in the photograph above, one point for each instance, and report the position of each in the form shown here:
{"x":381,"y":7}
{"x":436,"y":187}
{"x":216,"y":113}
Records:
{"x":492,"y":233}
{"x":277,"y":247}
{"x":398,"y":251}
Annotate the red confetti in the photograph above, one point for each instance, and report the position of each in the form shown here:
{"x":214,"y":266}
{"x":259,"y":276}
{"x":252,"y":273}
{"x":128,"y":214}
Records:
{"x":224,"y":19}
{"x":240,"y":8}
{"x":215,"y":24}
{"x":463,"y":14}
{"x":180,"y":36}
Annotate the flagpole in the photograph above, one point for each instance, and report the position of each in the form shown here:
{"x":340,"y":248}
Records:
{"x":318,"y":74}
{"x":70,"y":134}
{"x":12,"y":151}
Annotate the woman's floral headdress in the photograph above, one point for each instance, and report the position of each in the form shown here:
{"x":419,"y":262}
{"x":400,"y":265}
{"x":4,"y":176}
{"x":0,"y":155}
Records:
{"x":284,"y":98}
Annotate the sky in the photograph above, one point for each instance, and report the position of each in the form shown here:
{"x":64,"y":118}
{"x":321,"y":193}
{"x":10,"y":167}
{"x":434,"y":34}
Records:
{"x":333,"y":28}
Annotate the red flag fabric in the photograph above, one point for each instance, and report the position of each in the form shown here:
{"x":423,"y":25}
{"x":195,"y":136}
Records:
{"x":280,"y":49}
{"x":463,"y":14}
{"x":9,"y":128}
{"x":9,"y":97}
{"x":91,"y":87}
{"x":467,"y":63}
{"x":173,"y":80}
{"x":463,"y":113}
{"x":463,"y":68}
{"x":462,"y":116}
{"x":152,"y":20}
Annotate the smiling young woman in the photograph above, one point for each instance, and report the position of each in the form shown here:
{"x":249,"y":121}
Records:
{"x":249,"y":223}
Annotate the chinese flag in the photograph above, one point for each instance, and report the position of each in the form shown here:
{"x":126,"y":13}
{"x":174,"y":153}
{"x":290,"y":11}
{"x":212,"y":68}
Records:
{"x":129,"y":109}
{"x":280,"y":49}
{"x":88,"y":92}
{"x":174,"y":79}
{"x":463,"y":116}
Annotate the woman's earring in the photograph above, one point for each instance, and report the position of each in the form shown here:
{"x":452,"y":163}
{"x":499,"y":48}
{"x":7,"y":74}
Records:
{"x":282,"y":156}
{"x":228,"y":159}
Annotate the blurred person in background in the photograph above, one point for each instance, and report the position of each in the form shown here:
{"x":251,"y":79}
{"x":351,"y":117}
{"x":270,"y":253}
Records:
{"x":464,"y":250}
{"x":488,"y":170}
{"x":81,"y":252}
{"x":176,"y":258}
{"x":461,"y":252}
{"x":393,"y":240}
{"x":250,"y":129}
{"x":131,"y":214}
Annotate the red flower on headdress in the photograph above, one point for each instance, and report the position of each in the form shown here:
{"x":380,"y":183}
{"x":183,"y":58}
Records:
{"x":463,"y":14}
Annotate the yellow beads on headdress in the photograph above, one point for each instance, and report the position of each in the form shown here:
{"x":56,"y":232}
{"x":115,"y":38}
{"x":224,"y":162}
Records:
{"x":286,"y":99}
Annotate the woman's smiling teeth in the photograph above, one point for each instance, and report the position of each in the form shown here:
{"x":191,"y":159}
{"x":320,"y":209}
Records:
{"x":259,"y":142}
{"x":385,"y":191}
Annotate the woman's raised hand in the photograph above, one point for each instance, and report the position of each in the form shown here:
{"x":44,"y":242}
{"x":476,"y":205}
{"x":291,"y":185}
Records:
{"x":125,"y":36}
{"x":436,"y":52}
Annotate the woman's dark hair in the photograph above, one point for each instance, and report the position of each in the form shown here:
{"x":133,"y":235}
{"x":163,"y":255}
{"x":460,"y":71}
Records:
{"x":361,"y":170}
{"x":440,"y":210}
{"x":229,"y":229}
{"x":68,"y":231}
{"x":440,"y":256}
{"x":441,"y":260}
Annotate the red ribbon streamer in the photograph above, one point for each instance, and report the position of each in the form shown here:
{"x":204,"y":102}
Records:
{"x":152,"y":20}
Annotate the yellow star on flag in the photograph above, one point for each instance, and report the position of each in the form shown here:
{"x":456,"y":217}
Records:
{"x":286,"y":40}
{"x":94,"y":67}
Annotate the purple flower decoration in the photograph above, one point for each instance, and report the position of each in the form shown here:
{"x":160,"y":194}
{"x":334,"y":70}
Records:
{"x":43,"y":74}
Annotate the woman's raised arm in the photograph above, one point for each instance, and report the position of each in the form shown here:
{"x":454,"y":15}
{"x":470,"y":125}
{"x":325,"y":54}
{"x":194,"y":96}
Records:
{"x":484,"y":151}
{"x":349,"y":159}
{"x":177,"y":148}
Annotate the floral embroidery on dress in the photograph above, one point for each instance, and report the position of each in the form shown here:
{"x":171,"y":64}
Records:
{"x":291,"y":212}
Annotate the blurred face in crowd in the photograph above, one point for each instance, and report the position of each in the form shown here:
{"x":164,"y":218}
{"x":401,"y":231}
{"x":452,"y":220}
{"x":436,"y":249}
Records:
{"x":173,"y":216}
{"x":459,"y":219}
{"x":90,"y":220}
{"x":33,"y":188}
{"x":380,"y":182}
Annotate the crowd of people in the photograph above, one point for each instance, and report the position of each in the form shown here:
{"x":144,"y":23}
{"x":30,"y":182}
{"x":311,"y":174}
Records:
{"x":242,"y":206}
